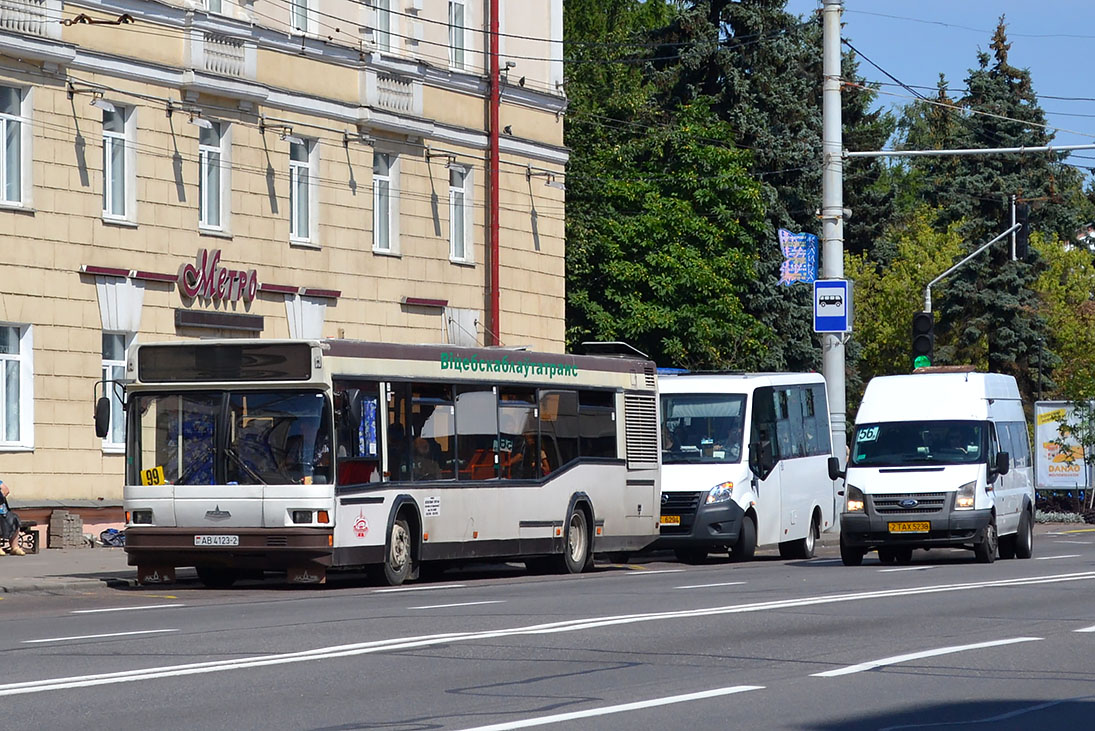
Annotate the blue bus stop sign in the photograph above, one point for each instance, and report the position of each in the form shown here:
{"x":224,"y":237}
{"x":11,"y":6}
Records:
{"x":832,"y":306}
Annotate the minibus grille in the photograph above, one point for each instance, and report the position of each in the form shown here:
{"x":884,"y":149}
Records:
{"x":680,"y":503}
{"x":926,"y":502}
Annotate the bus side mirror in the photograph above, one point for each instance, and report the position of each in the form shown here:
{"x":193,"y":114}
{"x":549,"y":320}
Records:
{"x":835,"y":473}
{"x":1003,"y":463}
{"x":102,"y":417}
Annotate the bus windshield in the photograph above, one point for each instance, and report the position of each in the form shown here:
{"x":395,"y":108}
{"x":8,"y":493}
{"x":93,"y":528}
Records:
{"x":702,"y":428}
{"x":893,"y":444}
{"x":273,"y":437}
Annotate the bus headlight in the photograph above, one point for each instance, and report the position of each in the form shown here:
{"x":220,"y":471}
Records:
{"x":964,"y":498}
{"x":720,"y":493}
{"x":853,"y":499}
{"x":141,"y":517}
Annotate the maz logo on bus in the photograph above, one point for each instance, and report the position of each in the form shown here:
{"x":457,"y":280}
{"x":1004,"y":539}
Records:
{"x":206,"y":279}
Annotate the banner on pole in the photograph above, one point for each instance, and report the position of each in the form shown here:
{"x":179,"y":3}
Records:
{"x":799,"y":257}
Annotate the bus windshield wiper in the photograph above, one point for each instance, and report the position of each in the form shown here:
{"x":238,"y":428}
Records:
{"x":243,"y":465}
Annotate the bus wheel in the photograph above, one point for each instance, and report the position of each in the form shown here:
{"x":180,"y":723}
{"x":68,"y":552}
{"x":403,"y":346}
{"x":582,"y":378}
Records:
{"x":1024,"y":539}
{"x":803,"y":548}
{"x":217,"y":577}
{"x":397,"y":559}
{"x":746,"y":546}
{"x":985,"y":551}
{"x":576,"y":553}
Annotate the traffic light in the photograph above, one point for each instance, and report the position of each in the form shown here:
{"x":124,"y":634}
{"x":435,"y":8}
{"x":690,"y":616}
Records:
{"x":923,"y":339}
{"x":1022,"y":235}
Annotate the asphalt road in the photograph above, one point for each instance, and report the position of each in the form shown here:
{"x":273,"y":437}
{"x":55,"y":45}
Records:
{"x":772,"y":644}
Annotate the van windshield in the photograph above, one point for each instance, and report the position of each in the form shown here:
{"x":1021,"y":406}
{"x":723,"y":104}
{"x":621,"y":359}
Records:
{"x":702,"y":428}
{"x":892,"y":444}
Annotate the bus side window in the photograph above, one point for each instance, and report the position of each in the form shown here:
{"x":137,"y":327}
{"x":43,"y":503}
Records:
{"x":558,"y":428}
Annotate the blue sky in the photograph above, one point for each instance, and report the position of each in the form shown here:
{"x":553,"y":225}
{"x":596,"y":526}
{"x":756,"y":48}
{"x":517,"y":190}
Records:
{"x":915,"y":41}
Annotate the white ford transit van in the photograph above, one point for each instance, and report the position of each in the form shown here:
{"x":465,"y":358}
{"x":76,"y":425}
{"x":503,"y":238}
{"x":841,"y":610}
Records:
{"x":744,"y":463}
{"x":938,"y":459}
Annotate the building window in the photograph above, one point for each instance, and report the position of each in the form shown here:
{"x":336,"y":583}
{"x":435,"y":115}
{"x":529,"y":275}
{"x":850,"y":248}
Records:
{"x":385,"y":203}
{"x":16,"y":386}
{"x":458,"y":215}
{"x":299,"y":15}
{"x":118,"y":174}
{"x":302,"y":181}
{"x":213,"y":180}
{"x":214,"y":6}
{"x":456,"y":34}
{"x":383,"y":31}
{"x":114,"y":347}
{"x":11,"y":132}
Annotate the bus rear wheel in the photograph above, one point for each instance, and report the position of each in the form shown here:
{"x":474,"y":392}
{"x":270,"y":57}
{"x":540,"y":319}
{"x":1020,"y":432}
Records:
{"x":577,"y":554}
{"x":397,"y":559}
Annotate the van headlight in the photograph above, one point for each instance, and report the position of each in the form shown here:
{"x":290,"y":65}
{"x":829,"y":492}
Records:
{"x":964,"y":498}
{"x":853,"y":499}
{"x":720,"y":493}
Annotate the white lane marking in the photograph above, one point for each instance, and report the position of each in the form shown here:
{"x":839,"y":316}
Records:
{"x":644,"y":572}
{"x":125,"y":609}
{"x":1086,"y":629}
{"x":861,"y":667}
{"x":704,"y":586}
{"x":622,"y":708}
{"x":573,"y":625}
{"x":1050,"y":558}
{"x":399,"y":589}
{"x":96,"y":637}
{"x":905,"y":568}
{"x":459,"y":604}
{"x":1076,"y":543}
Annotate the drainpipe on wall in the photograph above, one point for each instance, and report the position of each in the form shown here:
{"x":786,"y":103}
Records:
{"x":493,"y":330}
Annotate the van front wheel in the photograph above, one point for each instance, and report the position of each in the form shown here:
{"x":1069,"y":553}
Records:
{"x":985,"y":551}
{"x":851,"y":555}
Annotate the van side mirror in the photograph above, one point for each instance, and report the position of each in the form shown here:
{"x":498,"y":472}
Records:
{"x":102,"y":417}
{"x":835,"y":473}
{"x":1003,"y":463}
{"x":761,"y":459}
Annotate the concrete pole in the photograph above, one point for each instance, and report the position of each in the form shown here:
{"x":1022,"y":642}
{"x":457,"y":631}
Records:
{"x":832,"y":216}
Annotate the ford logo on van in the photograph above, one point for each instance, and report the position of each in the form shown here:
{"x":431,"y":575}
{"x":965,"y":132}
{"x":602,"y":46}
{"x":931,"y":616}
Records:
{"x":909,"y":503}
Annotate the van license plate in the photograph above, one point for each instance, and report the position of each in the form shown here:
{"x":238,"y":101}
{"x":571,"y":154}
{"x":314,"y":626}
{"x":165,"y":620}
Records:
{"x":922,"y":526}
{"x":670,"y":520}
{"x":216,"y":540}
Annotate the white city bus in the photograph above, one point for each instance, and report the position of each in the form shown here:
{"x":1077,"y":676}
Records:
{"x":306,"y":456}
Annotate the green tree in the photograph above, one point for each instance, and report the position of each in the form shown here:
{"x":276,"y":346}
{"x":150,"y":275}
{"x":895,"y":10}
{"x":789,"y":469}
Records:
{"x":1066,"y":289}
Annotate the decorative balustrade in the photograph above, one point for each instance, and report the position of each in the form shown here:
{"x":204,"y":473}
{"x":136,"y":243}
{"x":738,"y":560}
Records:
{"x":223,"y":55}
{"x":395,"y":94}
{"x":31,"y":17}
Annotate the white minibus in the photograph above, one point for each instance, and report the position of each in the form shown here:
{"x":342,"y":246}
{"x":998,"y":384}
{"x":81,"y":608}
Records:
{"x":938,"y":459}
{"x":744,"y":464}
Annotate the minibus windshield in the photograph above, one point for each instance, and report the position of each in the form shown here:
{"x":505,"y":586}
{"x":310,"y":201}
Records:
{"x":893,"y":444}
{"x":702,"y":428}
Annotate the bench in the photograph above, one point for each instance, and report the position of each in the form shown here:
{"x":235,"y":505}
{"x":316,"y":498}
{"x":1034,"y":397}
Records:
{"x":28,"y":537}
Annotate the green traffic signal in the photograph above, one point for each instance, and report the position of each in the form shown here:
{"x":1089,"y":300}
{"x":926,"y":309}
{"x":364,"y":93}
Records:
{"x":922,"y":361}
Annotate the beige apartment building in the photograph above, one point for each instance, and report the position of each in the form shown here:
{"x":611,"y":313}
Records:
{"x":262,"y":168}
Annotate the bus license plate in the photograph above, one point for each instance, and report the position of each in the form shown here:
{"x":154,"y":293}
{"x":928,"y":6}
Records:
{"x":921,"y":526}
{"x":670,"y":520}
{"x":216,"y":540}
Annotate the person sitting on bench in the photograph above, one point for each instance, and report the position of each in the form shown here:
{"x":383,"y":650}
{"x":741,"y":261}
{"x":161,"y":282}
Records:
{"x":9,"y":524}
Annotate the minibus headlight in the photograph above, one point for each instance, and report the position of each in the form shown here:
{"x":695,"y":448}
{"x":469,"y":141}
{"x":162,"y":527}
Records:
{"x":141,"y":517}
{"x":964,"y":498}
{"x":854,"y":499}
{"x":720,"y":493}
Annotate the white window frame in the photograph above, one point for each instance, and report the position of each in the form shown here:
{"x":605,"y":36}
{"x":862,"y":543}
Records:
{"x":24,"y":137}
{"x":391,"y":180}
{"x":310,"y":169}
{"x":224,"y":179}
{"x":129,"y":162}
{"x":303,"y":10}
{"x":382,"y":25}
{"x":460,"y":231}
{"x":113,"y":442}
{"x":25,"y":358}
{"x":458,"y":36}
{"x":215,"y":6}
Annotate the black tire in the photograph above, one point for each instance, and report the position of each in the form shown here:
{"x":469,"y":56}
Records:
{"x":691,"y":555}
{"x":903,"y":556}
{"x":887,"y":555}
{"x":1024,"y":539}
{"x":217,"y":577}
{"x":398,"y":556}
{"x":851,"y":555}
{"x":1005,"y":546}
{"x":577,"y":551}
{"x":803,"y":548}
{"x":746,"y":546}
{"x":985,"y":551}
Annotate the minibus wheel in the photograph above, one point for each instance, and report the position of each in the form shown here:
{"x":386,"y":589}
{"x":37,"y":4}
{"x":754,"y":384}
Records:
{"x":746,"y":546}
{"x":1024,"y":539}
{"x":985,"y":551}
{"x":851,"y":555}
